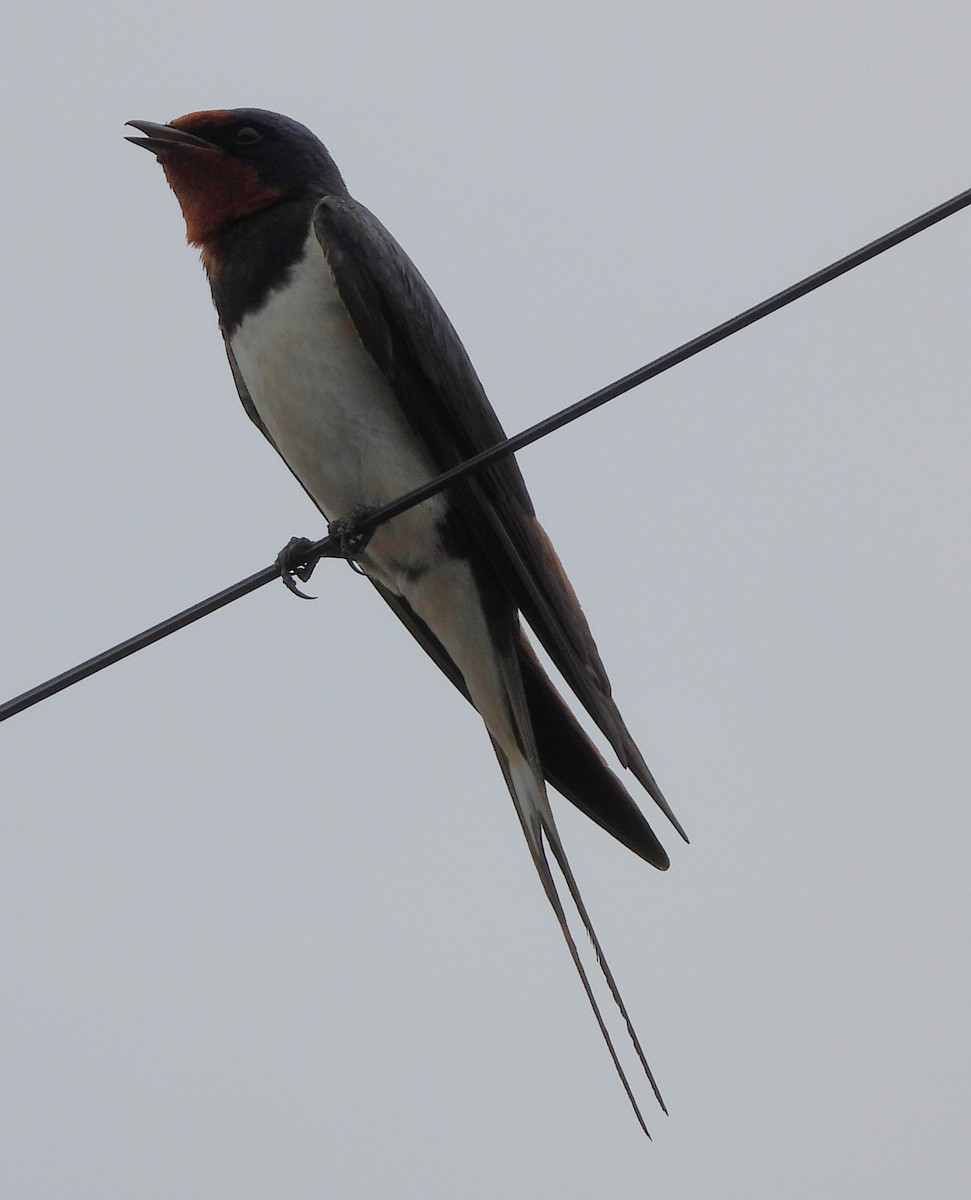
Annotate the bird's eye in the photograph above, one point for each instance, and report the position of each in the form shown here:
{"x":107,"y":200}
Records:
{"x":247,"y":135}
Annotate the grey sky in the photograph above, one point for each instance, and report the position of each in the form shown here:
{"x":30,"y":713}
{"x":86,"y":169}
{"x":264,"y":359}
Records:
{"x":269,"y":928}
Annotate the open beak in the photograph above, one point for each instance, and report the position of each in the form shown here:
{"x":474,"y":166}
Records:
{"x":162,"y":139}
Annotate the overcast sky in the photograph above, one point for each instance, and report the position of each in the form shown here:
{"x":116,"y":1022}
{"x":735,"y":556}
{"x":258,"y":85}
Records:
{"x":269,"y":927}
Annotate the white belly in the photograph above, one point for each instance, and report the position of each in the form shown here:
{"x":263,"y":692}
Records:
{"x":333,"y":416}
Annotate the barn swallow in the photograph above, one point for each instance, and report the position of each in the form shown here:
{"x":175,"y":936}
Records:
{"x":347,"y":364}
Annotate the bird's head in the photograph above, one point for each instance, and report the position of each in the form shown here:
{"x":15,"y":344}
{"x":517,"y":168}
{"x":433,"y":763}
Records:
{"x":226,"y":164}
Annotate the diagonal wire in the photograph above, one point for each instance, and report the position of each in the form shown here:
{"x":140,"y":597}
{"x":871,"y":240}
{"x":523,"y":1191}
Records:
{"x":329,"y":547}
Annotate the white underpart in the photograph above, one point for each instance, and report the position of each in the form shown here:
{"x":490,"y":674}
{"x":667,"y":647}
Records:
{"x":333,"y":417}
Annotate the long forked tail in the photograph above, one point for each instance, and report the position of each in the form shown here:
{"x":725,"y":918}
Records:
{"x":528,"y":793}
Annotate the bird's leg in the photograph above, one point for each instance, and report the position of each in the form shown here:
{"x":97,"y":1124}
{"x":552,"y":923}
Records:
{"x":350,"y":540}
{"x":296,"y":559}
{"x":300,"y":555}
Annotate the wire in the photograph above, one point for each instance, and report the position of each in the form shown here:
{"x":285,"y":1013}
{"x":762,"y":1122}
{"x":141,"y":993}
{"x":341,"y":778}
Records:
{"x":328,"y":547}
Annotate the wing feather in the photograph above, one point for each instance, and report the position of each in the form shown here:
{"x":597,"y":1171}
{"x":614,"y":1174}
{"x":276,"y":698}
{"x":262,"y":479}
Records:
{"x":406,"y":331}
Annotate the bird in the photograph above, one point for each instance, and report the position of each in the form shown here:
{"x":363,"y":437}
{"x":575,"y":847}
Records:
{"x":348,"y":365}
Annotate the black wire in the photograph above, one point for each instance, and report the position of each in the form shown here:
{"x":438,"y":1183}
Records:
{"x":327,"y":546}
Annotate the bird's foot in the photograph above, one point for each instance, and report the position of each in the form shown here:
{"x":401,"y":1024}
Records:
{"x":351,"y":540}
{"x":300,"y":555}
{"x":296,"y":559}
